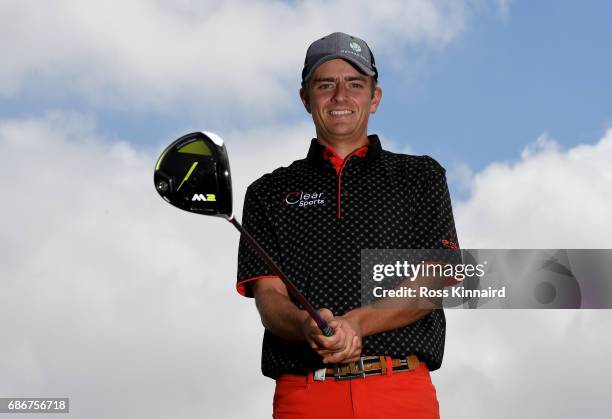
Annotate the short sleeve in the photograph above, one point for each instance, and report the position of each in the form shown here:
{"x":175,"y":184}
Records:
{"x":436,"y":209}
{"x":434,"y":224}
{"x":256,"y":219}
{"x":433,"y":216}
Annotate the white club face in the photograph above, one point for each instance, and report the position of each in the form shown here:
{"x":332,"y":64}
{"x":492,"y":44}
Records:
{"x":214,"y":137}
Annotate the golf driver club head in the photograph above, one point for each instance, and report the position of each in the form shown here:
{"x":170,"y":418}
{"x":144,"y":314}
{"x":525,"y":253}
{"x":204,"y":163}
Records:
{"x":193,"y":174}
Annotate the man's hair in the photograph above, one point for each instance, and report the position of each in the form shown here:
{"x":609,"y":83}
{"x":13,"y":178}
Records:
{"x":306,"y":87}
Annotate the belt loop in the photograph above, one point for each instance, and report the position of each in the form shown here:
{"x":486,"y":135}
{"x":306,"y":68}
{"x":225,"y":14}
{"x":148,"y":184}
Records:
{"x":412,"y":362}
{"x":383,"y":365}
{"x":389,"y":365}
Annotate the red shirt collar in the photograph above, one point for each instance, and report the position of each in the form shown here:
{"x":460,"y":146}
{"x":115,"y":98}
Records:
{"x":337,"y":162}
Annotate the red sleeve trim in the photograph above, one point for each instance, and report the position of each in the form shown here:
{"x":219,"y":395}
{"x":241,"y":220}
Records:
{"x":242,"y":289}
{"x":450,"y":245}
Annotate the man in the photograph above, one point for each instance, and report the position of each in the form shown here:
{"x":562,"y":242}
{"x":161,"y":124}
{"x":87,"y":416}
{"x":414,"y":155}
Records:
{"x":314,"y":217}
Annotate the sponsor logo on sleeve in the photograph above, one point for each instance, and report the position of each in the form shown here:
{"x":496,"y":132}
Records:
{"x":450,"y":245}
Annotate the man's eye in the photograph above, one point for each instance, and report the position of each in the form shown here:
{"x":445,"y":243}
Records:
{"x":356,"y":85}
{"x":325,"y":86}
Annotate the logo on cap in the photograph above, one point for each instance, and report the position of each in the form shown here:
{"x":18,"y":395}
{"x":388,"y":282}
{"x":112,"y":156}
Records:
{"x":355,"y":46}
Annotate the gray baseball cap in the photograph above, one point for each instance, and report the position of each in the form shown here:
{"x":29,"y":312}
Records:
{"x":339,"y":45}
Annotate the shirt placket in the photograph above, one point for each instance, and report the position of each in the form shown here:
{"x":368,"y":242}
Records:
{"x":345,"y":180}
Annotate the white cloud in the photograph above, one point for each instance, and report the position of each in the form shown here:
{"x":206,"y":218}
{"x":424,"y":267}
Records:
{"x":550,"y":198}
{"x":524,"y":363}
{"x":195,"y":56}
{"x":114,"y":298}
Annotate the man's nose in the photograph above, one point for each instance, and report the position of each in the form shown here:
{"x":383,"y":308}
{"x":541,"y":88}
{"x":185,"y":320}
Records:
{"x":339,"y":93}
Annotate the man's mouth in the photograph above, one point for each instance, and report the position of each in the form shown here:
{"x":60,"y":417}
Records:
{"x":341,"y":112}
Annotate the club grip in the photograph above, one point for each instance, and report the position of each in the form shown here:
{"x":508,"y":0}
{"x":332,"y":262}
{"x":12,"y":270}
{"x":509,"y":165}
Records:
{"x":327,"y":331}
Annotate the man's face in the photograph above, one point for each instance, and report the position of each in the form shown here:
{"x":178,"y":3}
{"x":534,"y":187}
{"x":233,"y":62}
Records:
{"x":340,"y":100}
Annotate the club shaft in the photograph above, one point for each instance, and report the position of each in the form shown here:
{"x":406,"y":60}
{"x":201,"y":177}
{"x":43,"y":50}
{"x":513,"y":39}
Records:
{"x":327,"y":331}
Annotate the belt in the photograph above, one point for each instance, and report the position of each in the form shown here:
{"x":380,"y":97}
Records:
{"x":366,"y":366}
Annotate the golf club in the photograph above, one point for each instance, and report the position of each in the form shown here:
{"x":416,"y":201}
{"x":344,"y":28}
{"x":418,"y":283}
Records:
{"x":193,"y":174}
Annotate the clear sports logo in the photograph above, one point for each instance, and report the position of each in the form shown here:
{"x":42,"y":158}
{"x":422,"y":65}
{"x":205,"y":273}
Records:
{"x":304,"y":199}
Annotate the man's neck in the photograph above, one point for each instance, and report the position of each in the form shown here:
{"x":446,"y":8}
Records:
{"x":344,"y":147}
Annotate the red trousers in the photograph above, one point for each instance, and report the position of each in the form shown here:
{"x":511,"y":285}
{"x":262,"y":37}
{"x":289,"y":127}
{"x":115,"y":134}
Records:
{"x":408,"y":395}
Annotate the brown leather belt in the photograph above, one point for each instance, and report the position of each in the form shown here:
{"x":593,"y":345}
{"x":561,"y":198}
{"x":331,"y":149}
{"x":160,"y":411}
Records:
{"x":367,"y":365}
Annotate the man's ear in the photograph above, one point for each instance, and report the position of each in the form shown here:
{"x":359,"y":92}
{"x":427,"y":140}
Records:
{"x":376,"y":98}
{"x":305,"y":99}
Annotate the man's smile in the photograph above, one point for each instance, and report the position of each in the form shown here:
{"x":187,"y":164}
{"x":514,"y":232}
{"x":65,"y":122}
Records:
{"x":340,"y":112}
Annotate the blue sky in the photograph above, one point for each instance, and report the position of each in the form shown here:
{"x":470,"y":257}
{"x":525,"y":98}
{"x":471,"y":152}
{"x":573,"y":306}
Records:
{"x":540,"y":67}
{"x":545,"y":67}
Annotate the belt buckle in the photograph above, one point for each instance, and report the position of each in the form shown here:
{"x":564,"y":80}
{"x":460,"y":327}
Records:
{"x":339,"y":376}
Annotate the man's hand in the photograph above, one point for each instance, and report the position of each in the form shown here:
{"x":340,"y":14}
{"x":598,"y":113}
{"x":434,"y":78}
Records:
{"x":345,"y":344}
{"x":283,"y":318}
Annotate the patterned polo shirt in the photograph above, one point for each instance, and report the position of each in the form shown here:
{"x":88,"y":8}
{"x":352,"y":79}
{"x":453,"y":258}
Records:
{"x":314,"y":218}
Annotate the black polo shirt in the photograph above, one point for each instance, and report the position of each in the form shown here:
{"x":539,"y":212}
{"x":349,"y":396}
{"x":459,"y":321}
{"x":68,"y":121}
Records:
{"x":314,"y":219}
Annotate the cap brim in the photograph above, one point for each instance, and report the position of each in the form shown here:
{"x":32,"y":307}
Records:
{"x":355,"y":63}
